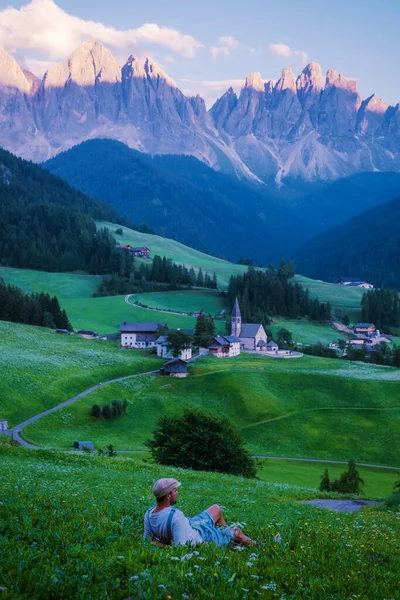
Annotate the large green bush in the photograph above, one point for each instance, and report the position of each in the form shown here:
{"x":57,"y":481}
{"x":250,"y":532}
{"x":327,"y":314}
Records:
{"x":201,"y":442}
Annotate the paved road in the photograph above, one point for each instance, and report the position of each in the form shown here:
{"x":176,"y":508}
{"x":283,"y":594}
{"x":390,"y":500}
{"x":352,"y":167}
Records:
{"x":15,"y":431}
{"x":331,"y":462}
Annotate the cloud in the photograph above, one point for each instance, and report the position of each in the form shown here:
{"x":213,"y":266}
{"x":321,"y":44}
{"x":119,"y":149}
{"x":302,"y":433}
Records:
{"x":42,"y":26}
{"x":227,"y":43}
{"x":286,"y":52}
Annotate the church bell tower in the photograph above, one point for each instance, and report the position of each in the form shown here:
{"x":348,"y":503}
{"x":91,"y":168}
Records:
{"x":236,"y":320}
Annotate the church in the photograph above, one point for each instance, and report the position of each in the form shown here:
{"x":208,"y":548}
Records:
{"x":252,"y":335}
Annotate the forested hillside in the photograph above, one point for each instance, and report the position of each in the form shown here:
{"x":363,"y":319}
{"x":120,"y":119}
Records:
{"x":181,"y":197}
{"x":366,"y":248}
{"x":45,"y":224}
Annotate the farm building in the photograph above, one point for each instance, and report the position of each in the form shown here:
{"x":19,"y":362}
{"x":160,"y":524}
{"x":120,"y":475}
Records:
{"x":175,"y":368}
{"x":272,"y":347}
{"x":83,"y":446}
{"x":224,"y":346}
{"x":164,"y":349}
{"x":138,"y":335}
{"x":141,"y":251}
{"x":3,"y":425}
{"x":365,"y":328}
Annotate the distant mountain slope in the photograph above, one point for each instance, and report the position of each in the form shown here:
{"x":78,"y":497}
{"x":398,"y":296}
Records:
{"x":45,"y":224}
{"x":181,"y":197}
{"x":367,"y":247}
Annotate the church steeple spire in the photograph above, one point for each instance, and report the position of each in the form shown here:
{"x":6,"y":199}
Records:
{"x":236,"y":319}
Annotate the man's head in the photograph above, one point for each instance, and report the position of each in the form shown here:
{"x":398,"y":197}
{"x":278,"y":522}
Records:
{"x":165,"y":489}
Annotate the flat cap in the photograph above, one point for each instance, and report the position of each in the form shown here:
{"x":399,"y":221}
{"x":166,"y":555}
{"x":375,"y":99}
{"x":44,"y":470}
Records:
{"x":162,"y":487}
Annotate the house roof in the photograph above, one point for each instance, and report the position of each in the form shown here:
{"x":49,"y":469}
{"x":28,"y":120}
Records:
{"x":232,"y":338}
{"x":139,"y":248}
{"x":162,"y":339}
{"x":261,"y":343}
{"x":271,"y":344}
{"x":138,"y":327}
{"x":364,"y":325}
{"x":249,"y":330}
{"x":175,"y":360}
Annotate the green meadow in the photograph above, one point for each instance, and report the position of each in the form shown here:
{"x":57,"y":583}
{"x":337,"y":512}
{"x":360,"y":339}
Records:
{"x":63,"y":285}
{"x":344,"y":299}
{"x":306,"y":332}
{"x":40,"y":369}
{"x":71,"y":527}
{"x":378,"y":483}
{"x":178,"y":252}
{"x":210,"y":301}
{"x":308,"y":407}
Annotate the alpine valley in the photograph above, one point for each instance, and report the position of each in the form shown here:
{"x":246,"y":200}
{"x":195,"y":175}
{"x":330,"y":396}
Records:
{"x":310,"y":128}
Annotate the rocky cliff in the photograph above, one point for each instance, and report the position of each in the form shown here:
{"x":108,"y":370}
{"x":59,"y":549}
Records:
{"x":309,"y":127}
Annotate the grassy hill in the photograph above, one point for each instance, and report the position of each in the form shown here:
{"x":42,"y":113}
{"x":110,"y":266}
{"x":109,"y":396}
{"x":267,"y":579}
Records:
{"x":178,"y":252}
{"x":308,"y":407}
{"x":39,"y":368}
{"x":71,"y":527}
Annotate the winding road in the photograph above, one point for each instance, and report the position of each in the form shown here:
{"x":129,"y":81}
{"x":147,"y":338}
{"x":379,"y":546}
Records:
{"x":14,"y":432}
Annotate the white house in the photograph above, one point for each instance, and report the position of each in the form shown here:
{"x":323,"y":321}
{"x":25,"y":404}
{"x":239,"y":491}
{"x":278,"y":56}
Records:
{"x":225,"y":346}
{"x":3,"y":425}
{"x":138,"y":335}
{"x":251,"y":334}
{"x":164,"y":349}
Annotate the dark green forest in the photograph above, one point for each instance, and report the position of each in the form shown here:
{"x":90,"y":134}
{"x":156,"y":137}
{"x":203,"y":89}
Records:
{"x":160,"y":274}
{"x":47,"y":225}
{"x":382,"y":308}
{"x":367,"y":247}
{"x":182,"y":198}
{"x":32,"y":309}
{"x":263,"y":294}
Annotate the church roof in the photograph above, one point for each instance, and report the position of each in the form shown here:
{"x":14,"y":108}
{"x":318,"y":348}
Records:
{"x":249,"y":330}
{"x":236,"y":310}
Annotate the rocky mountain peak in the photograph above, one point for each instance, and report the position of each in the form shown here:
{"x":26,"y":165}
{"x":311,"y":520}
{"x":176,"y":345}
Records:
{"x":11,"y":74}
{"x":154,"y":71}
{"x":310,"y":78}
{"x":91,"y":63}
{"x":254,"y":81}
{"x":133,"y":68}
{"x":335,"y":79}
{"x":286,"y":81}
{"x":376,"y":105}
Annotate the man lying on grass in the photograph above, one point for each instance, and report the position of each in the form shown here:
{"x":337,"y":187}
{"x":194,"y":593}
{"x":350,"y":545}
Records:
{"x":166,"y":525}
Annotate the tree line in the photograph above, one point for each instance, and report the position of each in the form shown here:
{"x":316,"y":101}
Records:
{"x":32,"y":309}
{"x":263,"y":294}
{"x":157,"y":275}
{"x":381,"y":306}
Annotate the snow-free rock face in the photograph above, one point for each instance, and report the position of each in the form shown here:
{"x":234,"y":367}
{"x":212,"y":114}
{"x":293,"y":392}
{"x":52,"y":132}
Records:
{"x":311,"y":127}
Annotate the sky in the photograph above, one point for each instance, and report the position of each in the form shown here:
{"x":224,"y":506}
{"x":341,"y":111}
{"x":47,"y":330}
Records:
{"x":209,"y":45}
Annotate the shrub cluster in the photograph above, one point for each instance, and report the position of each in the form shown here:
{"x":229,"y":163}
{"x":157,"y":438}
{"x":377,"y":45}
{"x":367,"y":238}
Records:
{"x":348,"y":483}
{"x":201,"y":442}
{"x":109,"y":411}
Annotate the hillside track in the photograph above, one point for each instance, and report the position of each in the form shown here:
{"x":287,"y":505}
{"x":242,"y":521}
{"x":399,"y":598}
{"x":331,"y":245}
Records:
{"x":15,"y":431}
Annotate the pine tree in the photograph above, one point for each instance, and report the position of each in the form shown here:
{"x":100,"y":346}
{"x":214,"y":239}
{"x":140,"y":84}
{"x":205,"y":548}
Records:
{"x":325,"y":484}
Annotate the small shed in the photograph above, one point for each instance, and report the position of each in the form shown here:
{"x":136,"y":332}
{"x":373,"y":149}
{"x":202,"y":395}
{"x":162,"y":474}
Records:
{"x":272,"y":347}
{"x":83,"y":446}
{"x":3,"y":425}
{"x":175,"y":368}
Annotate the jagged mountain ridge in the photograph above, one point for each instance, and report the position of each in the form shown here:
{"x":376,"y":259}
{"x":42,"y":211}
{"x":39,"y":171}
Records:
{"x":306,"y":127}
